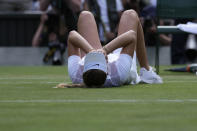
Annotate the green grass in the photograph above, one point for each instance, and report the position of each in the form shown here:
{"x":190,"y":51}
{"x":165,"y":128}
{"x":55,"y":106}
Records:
{"x":29,"y":103}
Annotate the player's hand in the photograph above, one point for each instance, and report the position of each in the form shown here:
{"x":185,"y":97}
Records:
{"x":93,"y":51}
{"x":101,"y":50}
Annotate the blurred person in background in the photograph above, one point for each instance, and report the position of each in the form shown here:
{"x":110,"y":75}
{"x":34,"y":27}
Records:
{"x":15,"y":5}
{"x":36,"y":6}
{"x":51,"y":31}
{"x":136,"y":5}
{"x":148,"y":18}
{"x":146,"y":10}
{"x":107,"y":14}
{"x":55,"y":25}
{"x":69,"y":8}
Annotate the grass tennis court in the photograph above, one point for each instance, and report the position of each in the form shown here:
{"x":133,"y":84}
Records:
{"x":29,"y":103}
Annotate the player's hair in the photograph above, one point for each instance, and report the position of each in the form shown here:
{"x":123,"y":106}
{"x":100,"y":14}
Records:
{"x":94,"y":78}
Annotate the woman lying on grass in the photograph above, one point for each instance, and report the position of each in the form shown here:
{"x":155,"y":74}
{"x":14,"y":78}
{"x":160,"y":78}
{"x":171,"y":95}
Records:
{"x":92,"y":65}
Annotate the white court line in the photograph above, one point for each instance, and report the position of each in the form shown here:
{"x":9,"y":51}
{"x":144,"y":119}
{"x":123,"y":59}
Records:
{"x":30,"y":78}
{"x":193,"y":81}
{"x":28,"y":82}
{"x":102,"y":101}
{"x":55,"y":82}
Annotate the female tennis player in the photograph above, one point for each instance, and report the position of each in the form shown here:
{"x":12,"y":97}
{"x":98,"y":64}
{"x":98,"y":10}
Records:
{"x":113,"y":64}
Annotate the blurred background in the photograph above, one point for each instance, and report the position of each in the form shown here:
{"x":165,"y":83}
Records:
{"x":34,"y":32}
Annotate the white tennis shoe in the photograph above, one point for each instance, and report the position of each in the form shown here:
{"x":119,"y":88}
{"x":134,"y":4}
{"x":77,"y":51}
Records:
{"x":150,"y":77}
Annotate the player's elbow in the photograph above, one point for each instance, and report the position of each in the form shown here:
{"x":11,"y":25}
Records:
{"x":72,"y":36}
{"x":132,"y":36}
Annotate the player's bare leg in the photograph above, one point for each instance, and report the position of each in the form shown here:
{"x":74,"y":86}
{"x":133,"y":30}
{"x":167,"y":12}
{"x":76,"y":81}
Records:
{"x":130,"y":21}
{"x":87,"y":28}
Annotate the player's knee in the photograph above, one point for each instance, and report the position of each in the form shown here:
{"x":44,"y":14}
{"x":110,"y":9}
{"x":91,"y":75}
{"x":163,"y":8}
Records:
{"x":85,"y":14}
{"x":71,"y":36}
{"x":131,"y":13}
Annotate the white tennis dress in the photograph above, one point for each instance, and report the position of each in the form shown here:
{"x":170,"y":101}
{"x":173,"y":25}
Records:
{"x":121,"y":69}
